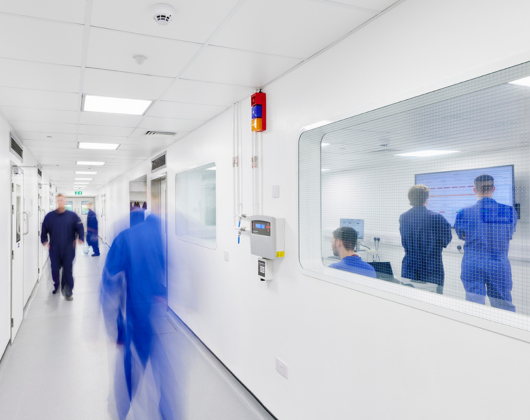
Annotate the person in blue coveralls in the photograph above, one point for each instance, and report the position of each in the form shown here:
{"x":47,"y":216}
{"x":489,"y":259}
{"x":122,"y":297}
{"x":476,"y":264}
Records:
{"x":487,"y":228}
{"x":343,"y":245}
{"x":92,"y":230}
{"x":132,"y":294}
{"x":62,"y":226}
{"x":424,"y":235}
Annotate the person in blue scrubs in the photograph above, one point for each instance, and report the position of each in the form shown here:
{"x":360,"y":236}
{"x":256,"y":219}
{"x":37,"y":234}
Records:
{"x":487,"y":228}
{"x":132,"y":294}
{"x":62,"y":226}
{"x":343,"y":245}
{"x":92,"y":230}
{"x":424,"y":235}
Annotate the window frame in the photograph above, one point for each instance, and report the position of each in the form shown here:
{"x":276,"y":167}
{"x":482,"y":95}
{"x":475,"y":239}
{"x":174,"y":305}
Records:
{"x":513,"y":325}
{"x":184,"y":239}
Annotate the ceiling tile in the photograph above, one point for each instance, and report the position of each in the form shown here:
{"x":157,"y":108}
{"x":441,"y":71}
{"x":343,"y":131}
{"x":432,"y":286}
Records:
{"x":192,"y":91}
{"x":184,"y":111}
{"x":295,"y":28}
{"x":166,"y":124}
{"x":378,"y":5}
{"x":38,"y":99}
{"x":40,"y":40}
{"x":102,"y":139}
{"x":224,"y":65}
{"x":98,"y":130}
{"x":42,"y":115}
{"x":29,"y":75}
{"x":116,"y":120}
{"x":124,"y":85}
{"x":114,"y":50}
{"x":50,"y":144}
{"x":43,"y":127}
{"x":63,"y":10}
{"x":194,"y":20}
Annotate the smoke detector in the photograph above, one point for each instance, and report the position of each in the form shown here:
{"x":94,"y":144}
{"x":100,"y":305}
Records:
{"x":139,"y":58}
{"x":163,"y":13}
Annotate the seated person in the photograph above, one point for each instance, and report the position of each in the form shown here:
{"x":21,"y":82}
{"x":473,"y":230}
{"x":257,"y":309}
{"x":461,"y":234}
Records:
{"x":343,"y":245}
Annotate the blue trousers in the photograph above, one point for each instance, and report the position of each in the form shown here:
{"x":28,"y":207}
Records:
{"x":92,"y":240}
{"x":63,"y":258}
{"x":487,"y":277}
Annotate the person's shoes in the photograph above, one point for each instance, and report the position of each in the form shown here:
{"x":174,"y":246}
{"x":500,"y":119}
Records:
{"x":95,"y":255}
{"x":69,"y":297}
{"x":55,"y":290}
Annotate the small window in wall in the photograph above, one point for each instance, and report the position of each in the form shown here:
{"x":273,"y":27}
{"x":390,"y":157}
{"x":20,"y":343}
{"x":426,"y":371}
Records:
{"x":196,"y":216}
{"x":427,"y":198}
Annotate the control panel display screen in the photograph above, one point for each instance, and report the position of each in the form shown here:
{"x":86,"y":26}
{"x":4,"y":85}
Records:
{"x":261,"y":228}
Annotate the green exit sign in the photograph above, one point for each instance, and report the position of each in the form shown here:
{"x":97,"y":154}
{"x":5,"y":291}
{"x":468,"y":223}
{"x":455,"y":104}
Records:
{"x":78,"y":192}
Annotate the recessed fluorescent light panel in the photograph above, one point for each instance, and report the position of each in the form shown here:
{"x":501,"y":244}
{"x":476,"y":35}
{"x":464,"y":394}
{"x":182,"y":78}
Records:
{"x":93,"y":103}
{"x":522,"y":82}
{"x":324,"y":170}
{"x":97,"y":146}
{"x":85,"y":173}
{"x":85,"y":163}
{"x":324,"y":144}
{"x":428,"y":153}
{"x":83,"y":179}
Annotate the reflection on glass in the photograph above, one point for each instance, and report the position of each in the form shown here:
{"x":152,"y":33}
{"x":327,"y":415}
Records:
{"x":196,"y":216}
{"x":84,"y":208}
{"x":69,"y":205}
{"x":433,"y":220}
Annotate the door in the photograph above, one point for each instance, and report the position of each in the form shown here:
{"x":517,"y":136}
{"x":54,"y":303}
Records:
{"x":79,"y":206}
{"x":19,"y":227}
{"x":159,"y":199}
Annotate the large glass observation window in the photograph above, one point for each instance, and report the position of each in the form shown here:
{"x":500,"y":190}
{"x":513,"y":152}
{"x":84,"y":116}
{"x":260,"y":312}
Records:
{"x":196,"y":216}
{"x":427,"y":197}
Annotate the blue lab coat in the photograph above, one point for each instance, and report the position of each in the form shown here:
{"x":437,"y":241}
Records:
{"x":424,"y":235}
{"x":354,"y":264}
{"x":487,"y":228}
{"x":133,"y":281}
{"x":92,"y":231}
{"x":62,"y":229}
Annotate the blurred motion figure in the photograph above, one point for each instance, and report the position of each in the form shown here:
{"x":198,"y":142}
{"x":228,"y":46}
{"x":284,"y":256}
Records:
{"x":132,"y":292}
{"x":62,"y":225}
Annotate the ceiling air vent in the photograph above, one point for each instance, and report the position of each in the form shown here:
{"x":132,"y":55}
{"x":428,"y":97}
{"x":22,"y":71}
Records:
{"x":39,"y":172}
{"x":159,"y":162}
{"x":16,"y":148}
{"x":159,"y":133}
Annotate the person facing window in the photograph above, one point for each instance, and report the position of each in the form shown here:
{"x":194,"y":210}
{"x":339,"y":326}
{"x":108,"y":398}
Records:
{"x":343,"y":244}
{"x":487,"y":228}
{"x":424,"y":234}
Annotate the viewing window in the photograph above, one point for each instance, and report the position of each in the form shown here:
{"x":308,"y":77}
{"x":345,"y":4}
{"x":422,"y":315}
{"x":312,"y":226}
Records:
{"x":196,"y":205}
{"x":427,"y":195}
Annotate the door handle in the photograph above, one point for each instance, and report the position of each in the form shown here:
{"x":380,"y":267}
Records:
{"x":27,"y":223}
{"x":18,"y":222}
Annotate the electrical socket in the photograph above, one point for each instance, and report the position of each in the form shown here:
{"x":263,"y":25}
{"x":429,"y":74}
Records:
{"x":282,"y":368}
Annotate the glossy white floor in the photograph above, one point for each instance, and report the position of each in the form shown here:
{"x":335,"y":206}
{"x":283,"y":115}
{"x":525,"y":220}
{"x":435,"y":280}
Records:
{"x":61,"y":365}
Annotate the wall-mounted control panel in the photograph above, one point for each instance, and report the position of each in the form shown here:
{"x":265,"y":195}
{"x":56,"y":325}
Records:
{"x":267,"y":237}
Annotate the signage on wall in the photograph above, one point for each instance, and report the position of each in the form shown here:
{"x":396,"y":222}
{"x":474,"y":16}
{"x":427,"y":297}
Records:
{"x":78,"y":192}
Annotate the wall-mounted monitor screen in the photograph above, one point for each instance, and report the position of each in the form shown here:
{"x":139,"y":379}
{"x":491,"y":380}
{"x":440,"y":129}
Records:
{"x":453,"y":190}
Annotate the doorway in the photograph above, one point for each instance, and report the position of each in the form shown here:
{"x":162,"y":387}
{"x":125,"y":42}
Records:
{"x":159,"y":207}
{"x":79,"y":206}
{"x":19,"y":228}
{"x":137,"y":200}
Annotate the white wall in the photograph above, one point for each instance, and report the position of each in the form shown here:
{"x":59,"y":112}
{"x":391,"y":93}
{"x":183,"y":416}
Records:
{"x":31,"y":240}
{"x":350,"y":354}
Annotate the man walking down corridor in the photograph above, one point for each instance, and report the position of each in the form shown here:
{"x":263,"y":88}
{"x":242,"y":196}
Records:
{"x":62,"y":226}
{"x":92,"y":230}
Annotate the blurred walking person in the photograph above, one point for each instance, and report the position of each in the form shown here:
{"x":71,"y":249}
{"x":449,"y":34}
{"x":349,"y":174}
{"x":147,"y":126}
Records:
{"x":132,"y":292}
{"x":92,"y":230}
{"x":62,"y":226}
